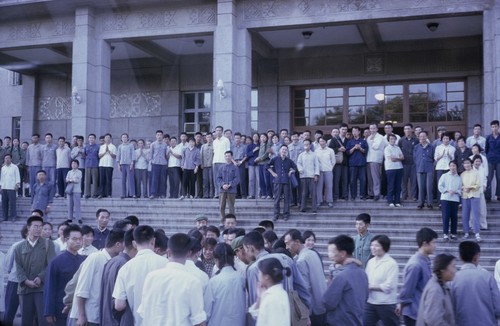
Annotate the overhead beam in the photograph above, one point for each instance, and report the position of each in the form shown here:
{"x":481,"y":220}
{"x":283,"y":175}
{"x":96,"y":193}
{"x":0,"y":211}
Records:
{"x":262,"y":47}
{"x":155,"y":51}
{"x":65,"y":51}
{"x":370,"y":35}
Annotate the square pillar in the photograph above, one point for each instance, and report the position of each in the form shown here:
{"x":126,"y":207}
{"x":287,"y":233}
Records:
{"x":91,"y":76}
{"x":491,"y":64}
{"x":232,"y":65}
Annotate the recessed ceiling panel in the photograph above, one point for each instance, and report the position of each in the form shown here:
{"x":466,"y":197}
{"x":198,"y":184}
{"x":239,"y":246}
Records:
{"x":39,"y":56}
{"x":187,"y":45}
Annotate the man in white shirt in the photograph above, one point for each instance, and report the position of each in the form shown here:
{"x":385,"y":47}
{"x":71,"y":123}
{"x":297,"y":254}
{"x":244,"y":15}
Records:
{"x":375,"y":158}
{"x":130,"y":280}
{"x":476,"y":137}
{"x":221,"y":145}
{"x":172,"y":295}
{"x":174,"y":154}
{"x":87,"y":297}
{"x":326,"y":158}
{"x":10,"y":182}
{"x":107,"y":155}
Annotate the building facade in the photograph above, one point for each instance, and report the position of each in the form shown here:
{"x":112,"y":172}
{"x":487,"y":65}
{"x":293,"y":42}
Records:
{"x":79,"y":67}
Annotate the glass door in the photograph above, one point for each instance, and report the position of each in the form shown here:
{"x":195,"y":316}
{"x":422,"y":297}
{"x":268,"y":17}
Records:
{"x":197,"y":109}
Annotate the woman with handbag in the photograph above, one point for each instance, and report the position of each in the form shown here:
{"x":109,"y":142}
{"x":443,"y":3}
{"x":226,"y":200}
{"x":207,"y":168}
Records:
{"x":73,"y":191}
{"x":272,"y":306}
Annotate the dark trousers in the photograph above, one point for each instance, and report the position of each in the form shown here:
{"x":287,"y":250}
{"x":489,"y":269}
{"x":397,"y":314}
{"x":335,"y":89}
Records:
{"x":357,"y":173}
{"x":265,"y":182}
{"x":174,"y":181}
{"x":438,"y":174}
{"x":409,"y":181}
{"x":9,"y":209}
{"x":317,"y":320}
{"x":449,"y":213}
{"x":127,"y":178}
{"x":424,"y":181}
{"x":340,"y":181}
{"x":32,"y":309}
{"x":61,"y":180}
{"x":92,"y":179}
{"x":208,"y":182}
{"x":394,"y":186}
{"x":82,"y":182}
{"x":199,"y":183}
{"x":105,"y":180}
{"x":243,"y":185}
{"x":11,"y":303}
{"x":281,"y":189}
{"x":308,"y":186}
{"x":188,"y":182}
{"x":493,"y":168}
{"x":409,"y":321}
{"x":158,"y":180}
{"x":140,"y":180}
{"x":380,"y":312}
{"x":296,"y":192}
{"x":32,"y":174}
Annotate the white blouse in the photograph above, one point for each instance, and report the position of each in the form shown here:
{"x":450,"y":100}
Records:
{"x":274,"y":308}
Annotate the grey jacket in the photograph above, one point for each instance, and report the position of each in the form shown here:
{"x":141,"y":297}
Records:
{"x":436,"y":308}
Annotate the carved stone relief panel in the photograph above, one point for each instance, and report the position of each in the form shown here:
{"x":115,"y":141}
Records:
{"x":27,"y":31}
{"x":54,"y":108}
{"x":146,"y":104}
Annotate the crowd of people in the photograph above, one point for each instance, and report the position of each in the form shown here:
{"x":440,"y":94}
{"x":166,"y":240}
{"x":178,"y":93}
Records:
{"x":451,"y":172}
{"x":131,"y":274}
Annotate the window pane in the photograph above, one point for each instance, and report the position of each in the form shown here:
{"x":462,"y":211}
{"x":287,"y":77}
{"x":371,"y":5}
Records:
{"x":374,"y":94}
{"x":300,"y":93}
{"x":330,"y":92}
{"x":334,"y":115}
{"x":204,"y":100}
{"x":317,"y":116}
{"x":335,"y":101}
{"x":456,"y":86}
{"x":437,"y":111}
{"x":356,"y":114}
{"x":394,"y":104}
{"x":418,"y":107}
{"x":204,"y":127}
{"x":455,"y":96}
{"x":189,"y":101}
{"x":394,"y":89}
{"x":356,"y":100}
{"x":419,"y":117}
{"x":356,"y":91}
{"x":455,"y":111}
{"x":301,"y":121}
{"x":395,"y":118}
{"x":300,"y":103}
{"x":317,"y":97}
{"x":188,"y":117}
{"x":299,"y":112}
{"x":374,"y":113}
{"x":254,"y":115}
{"x":204,"y":117}
{"x":437,"y":92}
{"x":254,"y":98}
{"x":418,"y":88}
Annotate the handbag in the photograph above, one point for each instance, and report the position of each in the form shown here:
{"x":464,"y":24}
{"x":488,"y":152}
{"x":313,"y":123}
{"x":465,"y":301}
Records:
{"x":298,"y":310}
{"x":293,"y":181}
{"x":69,"y":189}
{"x":339,"y":156}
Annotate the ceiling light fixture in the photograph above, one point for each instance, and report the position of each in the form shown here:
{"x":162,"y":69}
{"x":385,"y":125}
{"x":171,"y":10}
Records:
{"x":432,"y":26}
{"x":199,"y":43}
{"x":307,"y":34}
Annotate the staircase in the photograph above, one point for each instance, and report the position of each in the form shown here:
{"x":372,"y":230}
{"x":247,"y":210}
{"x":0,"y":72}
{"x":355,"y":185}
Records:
{"x":400,"y":224}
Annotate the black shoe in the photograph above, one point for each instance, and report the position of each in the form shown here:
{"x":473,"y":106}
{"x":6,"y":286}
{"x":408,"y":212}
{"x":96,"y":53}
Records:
{"x":80,"y":222}
{"x":302,"y":210}
{"x":376,"y":198}
{"x":276,"y":217}
{"x":87,"y":197}
{"x":286,"y":218}
{"x":420,"y":206}
{"x":430,"y":207}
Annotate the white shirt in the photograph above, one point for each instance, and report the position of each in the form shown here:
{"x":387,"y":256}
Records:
{"x":472,"y":140}
{"x":198,"y":273}
{"x":497,"y":273}
{"x":392,"y":151}
{"x":9,"y":177}
{"x":130,"y":279}
{"x":172,"y":296}
{"x":89,"y":286}
{"x":274,"y":308}
{"x":107,"y":160}
{"x":141,"y":161}
{"x":484,"y":164}
{"x":59,"y":245}
{"x":85,"y":251}
{"x":376,"y":148}
{"x":326,"y":158}
{"x":220,"y":147}
{"x":63,"y":157}
{"x":172,"y":160}
{"x":443,"y":162}
{"x":383,"y":272}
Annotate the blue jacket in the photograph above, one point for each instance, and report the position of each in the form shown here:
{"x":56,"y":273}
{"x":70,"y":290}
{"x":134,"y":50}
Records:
{"x":357,"y":158}
{"x":493,"y":149}
{"x":424,"y":158}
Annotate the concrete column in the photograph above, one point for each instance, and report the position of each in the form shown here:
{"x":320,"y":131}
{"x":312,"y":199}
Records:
{"x":91,"y":76}
{"x":28,"y":108}
{"x":232,"y":65}
{"x":491,"y":63}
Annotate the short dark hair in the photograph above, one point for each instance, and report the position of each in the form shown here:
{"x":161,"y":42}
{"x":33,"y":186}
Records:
{"x":62,"y":138}
{"x":307,"y":234}
{"x":75,"y":161}
{"x":87,"y":229}
{"x":209,"y":242}
{"x":224,"y":255}
{"x":425,"y":235}
{"x":133,"y":219}
{"x":267,"y":224}
{"x":180,"y":244}
{"x":477,"y":125}
{"x":214,"y":229}
{"x":49,"y":134}
{"x":477,"y":157}
{"x":121,"y":224}
{"x":255,"y":239}
{"x":238,"y":231}
{"x":71,"y":228}
{"x":38,"y":211}
{"x":228,"y":152}
{"x":195,"y":233}
{"x":228,"y":216}
{"x":32,"y":219}
{"x":468,"y":250}
{"x":343,"y":243}
{"x":479,"y":148}
{"x":273,"y":268}
{"x":128,"y":237}
{"x":365,"y":217}
{"x":100,"y":210}
{"x":408,"y":125}
{"x":143,"y":234}
{"x":295,"y":235}
{"x":384,"y":241}
{"x":270,"y":236}
{"x":494,"y":123}
{"x":161,"y":240}
{"x":114,"y":237}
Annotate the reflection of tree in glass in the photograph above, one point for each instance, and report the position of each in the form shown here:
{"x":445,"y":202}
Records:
{"x":333,"y":117}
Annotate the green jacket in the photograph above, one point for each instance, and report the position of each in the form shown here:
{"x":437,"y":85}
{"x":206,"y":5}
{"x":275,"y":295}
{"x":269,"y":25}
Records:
{"x":31,"y":262}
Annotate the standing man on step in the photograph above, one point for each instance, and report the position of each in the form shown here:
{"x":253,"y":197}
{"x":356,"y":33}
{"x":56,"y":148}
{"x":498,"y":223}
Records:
{"x":221,"y":145}
{"x":107,"y":155}
{"x":281,"y":167}
{"x":228,"y":179}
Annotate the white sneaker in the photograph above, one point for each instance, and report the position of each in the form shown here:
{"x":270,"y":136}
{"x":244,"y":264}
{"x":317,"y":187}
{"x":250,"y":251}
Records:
{"x":478,"y":238}
{"x":181,"y":197}
{"x":391,"y":205}
{"x":466,"y":236}
{"x":445,"y":237}
{"x":398,"y":205}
